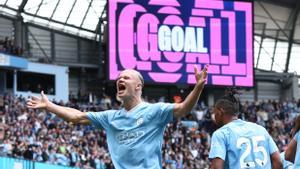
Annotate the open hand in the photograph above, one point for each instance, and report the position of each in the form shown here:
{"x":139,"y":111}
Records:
{"x":38,"y":103}
{"x":200,"y":76}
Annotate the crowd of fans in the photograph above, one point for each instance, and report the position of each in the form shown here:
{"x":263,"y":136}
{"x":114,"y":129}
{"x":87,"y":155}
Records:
{"x":40,"y":136}
{"x":7,"y":46}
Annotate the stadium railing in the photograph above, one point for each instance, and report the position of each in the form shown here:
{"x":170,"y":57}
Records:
{"x":13,"y":163}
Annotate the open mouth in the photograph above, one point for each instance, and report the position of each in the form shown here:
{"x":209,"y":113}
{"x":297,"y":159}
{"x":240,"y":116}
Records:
{"x":121,"y":88}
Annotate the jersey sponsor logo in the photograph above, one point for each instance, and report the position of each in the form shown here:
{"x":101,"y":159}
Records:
{"x":128,"y":137}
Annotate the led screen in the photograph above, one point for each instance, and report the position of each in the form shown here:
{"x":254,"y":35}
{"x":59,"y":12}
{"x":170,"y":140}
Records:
{"x":164,"y":39}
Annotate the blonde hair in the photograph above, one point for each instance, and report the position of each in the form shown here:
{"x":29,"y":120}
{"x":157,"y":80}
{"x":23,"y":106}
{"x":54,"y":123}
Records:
{"x":139,"y":75}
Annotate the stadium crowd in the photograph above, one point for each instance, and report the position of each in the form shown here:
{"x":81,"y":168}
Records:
{"x":7,"y":46}
{"x":40,"y":136}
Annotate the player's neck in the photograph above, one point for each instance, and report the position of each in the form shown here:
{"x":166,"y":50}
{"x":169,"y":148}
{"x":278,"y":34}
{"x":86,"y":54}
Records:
{"x":229,"y":119}
{"x":129,"y":104}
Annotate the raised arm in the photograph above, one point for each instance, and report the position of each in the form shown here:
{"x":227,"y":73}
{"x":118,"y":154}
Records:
{"x":182,"y":109}
{"x":66,"y":113}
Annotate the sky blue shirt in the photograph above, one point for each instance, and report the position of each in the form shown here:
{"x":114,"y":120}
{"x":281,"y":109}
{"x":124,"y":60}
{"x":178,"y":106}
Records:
{"x":135,"y":138}
{"x":286,"y":164}
{"x":297,"y":156}
{"x":243,"y":144}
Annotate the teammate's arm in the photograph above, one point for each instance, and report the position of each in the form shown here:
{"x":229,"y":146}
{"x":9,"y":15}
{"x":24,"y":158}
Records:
{"x":217,"y":163}
{"x":186,"y":106}
{"x":276,"y":161}
{"x":290,"y":152}
{"x":296,"y":127}
{"x":66,"y":113}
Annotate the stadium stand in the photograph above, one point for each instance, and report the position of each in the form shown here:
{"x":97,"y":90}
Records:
{"x":7,"y":46}
{"x":42,"y":137}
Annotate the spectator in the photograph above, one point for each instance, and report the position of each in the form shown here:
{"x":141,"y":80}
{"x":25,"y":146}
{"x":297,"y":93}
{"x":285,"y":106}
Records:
{"x":41,"y":128}
{"x":7,"y":46}
{"x":3,"y":128}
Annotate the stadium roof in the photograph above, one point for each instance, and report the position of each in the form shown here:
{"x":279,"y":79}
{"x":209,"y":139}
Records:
{"x":277,"y":35}
{"x":287,"y":3}
{"x":76,"y":16}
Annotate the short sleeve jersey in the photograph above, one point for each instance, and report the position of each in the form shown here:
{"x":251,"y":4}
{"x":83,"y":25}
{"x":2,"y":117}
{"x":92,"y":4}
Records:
{"x":135,"y":137}
{"x":243,"y":144}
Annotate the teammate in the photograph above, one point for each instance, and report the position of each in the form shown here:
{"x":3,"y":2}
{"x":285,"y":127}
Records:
{"x":134,"y":133}
{"x":286,"y":164}
{"x":292,"y":153}
{"x":239,"y":144}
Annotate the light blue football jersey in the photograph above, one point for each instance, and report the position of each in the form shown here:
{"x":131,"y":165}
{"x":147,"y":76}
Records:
{"x":286,"y":164}
{"x":243,"y":144}
{"x":135,"y":138}
{"x":297,"y":156}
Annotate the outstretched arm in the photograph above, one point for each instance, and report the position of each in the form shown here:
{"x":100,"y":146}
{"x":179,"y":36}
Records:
{"x":182,"y":109}
{"x":66,"y":113}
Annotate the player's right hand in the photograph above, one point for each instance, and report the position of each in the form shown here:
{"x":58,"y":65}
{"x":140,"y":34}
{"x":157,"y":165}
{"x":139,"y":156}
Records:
{"x":38,"y":103}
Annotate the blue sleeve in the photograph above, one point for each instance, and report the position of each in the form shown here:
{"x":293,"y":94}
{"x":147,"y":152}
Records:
{"x":165,"y":112}
{"x":272,"y":145}
{"x":218,"y":146}
{"x":100,"y":119}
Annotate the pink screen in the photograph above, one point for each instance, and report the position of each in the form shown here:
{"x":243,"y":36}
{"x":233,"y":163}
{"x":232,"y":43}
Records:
{"x":164,"y":39}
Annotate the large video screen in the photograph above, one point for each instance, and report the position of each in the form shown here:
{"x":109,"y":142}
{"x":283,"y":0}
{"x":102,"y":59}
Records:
{"x":164,"y":39}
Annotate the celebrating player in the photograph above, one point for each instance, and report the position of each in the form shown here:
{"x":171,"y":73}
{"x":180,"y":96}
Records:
{"x":239,"y":144}
{"x":134,"y":133}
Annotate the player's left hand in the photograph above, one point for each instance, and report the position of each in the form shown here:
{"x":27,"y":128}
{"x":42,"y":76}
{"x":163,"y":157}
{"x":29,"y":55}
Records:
{"x":200,"y":76}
